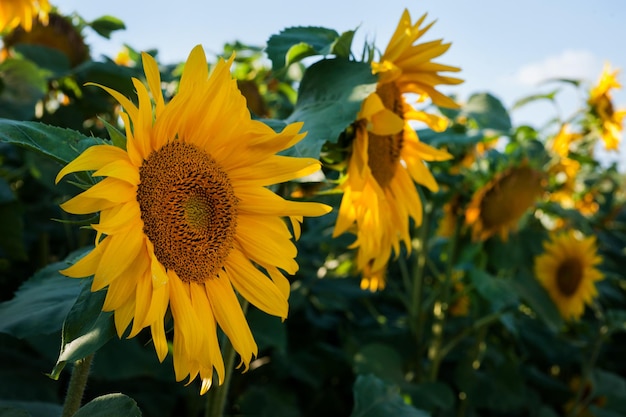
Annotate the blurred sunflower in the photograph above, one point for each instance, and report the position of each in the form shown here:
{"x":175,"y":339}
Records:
{"x":498,"y":205}
{"x":14,"y":13}
{"x":601,"y":105}
{"x":387,"y":156}
{"x":564,"y":169}
{"x":187,"y":218}
{"x":57,"y":33}
{"x":567,"y":270}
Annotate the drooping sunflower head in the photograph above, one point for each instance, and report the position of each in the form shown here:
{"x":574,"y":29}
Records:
{"x":58,"y":33}
{"x":497,"y":207}
{"x":380,"y":196}
{"x":600,"y":103}
{"x":186,"y":218}
{"x":410,"y":65}
{"x":15,"y":13}
{"x":567,"y":269}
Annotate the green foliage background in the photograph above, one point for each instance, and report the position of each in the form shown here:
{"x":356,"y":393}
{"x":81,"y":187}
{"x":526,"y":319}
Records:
{"x":343,"y":351}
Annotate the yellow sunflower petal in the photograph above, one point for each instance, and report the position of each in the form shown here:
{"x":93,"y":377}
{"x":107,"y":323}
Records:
{"x":93,"y":158}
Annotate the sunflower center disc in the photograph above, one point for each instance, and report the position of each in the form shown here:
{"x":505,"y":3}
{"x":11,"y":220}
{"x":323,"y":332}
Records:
{"x":383,"y":152}
{"x":189,"y":210}
{"x":568,"y":276}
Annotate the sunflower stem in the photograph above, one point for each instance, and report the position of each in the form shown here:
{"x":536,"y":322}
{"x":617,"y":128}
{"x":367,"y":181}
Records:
{"x":76,"y":387}
{"x":581,"y":403}
{"x":216,"y":397}
{"x":418,"y":283}
{"x":440,"y":310}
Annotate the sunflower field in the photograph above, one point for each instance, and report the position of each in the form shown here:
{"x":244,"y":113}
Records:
{"x":305,"y":227}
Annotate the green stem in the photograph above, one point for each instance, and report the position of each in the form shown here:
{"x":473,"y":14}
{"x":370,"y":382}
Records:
{"x":76,"y":388}
{"x":418,"y":277}
{"x":441,"y":306}
{"x":476,"y":326}
{"x":216,"y":397}
{"x":579,"y":402}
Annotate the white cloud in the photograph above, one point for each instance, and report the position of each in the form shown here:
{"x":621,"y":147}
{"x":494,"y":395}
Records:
{"x":572,"y":64}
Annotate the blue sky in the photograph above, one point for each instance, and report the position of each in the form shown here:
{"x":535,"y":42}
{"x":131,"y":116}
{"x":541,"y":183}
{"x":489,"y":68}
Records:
{"x":503,"y":47}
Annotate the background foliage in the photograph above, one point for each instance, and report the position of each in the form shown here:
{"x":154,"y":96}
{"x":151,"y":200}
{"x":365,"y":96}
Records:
{"x":462,"y":329}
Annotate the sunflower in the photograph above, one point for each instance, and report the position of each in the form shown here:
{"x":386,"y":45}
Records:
{"x":564,"y":169}
{"x":498,"y":206}
{"x":567,"y":270}
{"x":186,"y":218}
{"x":387,"y":156}
{"x":601,"y":105}
{"x":14,"y":13}
{"x":57,"y":33}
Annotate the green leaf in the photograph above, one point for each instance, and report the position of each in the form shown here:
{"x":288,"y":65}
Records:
{"x":11,"y":223}
{"x":61,"y":145}
{"x":330,"y":97}
{"x":534,"y":97}
{"x":374,"y":398}
{"x":498,"y":291}
{"x":380,"y":360}
{"x":616,"y":320}
{"x":117,"y":138}
{"x":22,"y":85}
{"x":295,"y":43}
{"x":110,"y":405}
{"x":106,"y":25}
{"x":86,"y":328}
{"x":537,"y":298}
{"x":488,"y":112}
{"x":29,"y":408}
{"x":432,"y":395}
{"x":51,"y":59}
{"x":269,"y":331}
{"x":343,"y":45}
{"x":41,"y":304}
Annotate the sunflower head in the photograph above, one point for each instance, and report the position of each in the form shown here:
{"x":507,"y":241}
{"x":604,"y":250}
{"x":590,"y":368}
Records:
{"x":14,"y":13}
{"x":497,"y":207}
{"x":567,"y":269}
{"x":563,"y":141}
{"x":186,"y":219}
{"x":609,"y":120}
{"x":56,"y":33}
{"x":410,"y":65}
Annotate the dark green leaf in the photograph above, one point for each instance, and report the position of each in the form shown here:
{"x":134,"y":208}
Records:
{"x":106,"y":25}
{"x":448,"y":138}
{"x":616,"y":320}
{"x":380,"y":360}
{"x":374,"y":398}
{"x":22,"y":85}
{"x":296,"y":43}
{"x":497,"y":291}
{"x":538,"y":299}
{"x":488,"y":112}
{"x":110,"y":405}
{"x":85,"y":329}
{"x":29,"y":408}
{"x":432,"y":395}
{"x":329,"y":100}
{"x":61,"y":145}
{"x":41,"y":303}
{"x":45,"y":57}
{"x":11,"y":223}
{"x":269,"y":331}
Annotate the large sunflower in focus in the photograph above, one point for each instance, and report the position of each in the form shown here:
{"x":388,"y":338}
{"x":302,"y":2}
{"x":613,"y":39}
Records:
{"x":567,"y":270}
{"x":498,"y":206}
{"x":601,"y":105}
{"x":186,"y":218}
{"x":387,"y":156}
{"x":14,"y":13}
